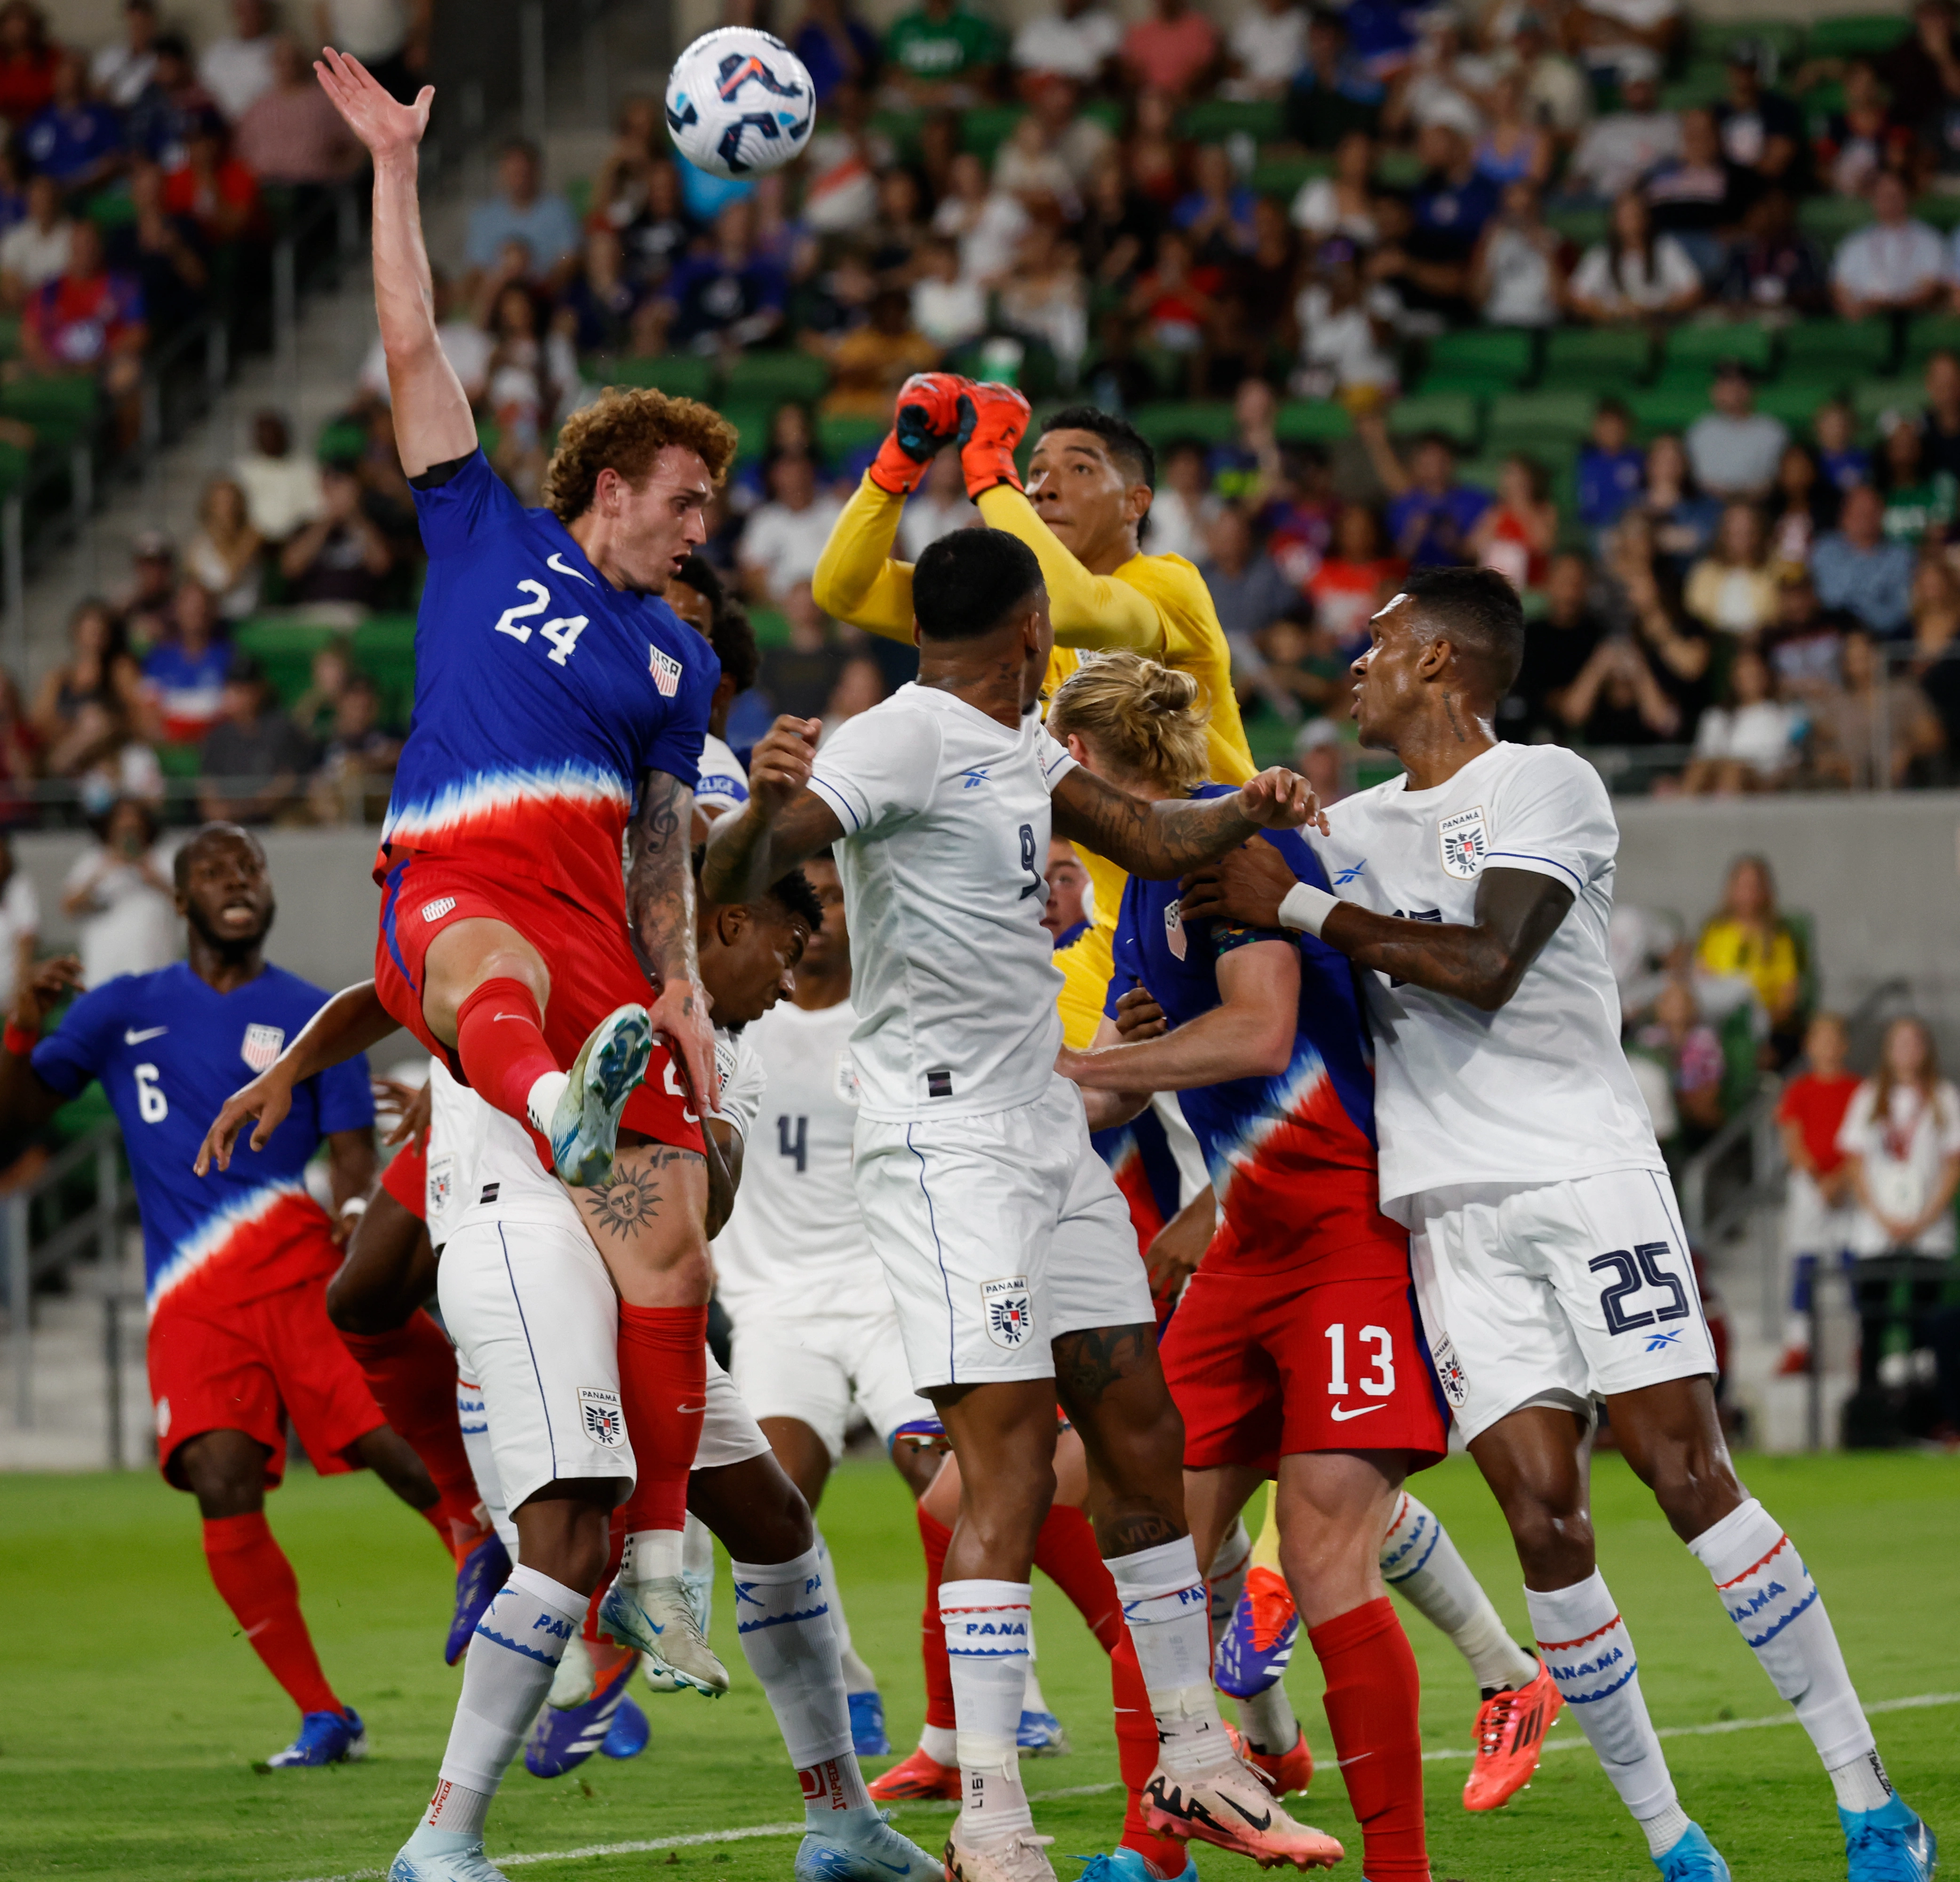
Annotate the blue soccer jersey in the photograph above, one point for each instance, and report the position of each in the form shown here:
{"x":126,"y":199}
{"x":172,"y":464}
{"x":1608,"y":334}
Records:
{"x":543,"y":693}
{"x":169,"y":1050}
{"x":1291,"y":1157}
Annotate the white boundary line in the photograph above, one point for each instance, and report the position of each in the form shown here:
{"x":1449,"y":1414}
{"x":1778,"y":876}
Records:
{"x":1918,"y":1702}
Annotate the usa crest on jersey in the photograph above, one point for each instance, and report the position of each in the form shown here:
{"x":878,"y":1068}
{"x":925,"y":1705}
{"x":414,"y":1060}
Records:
{"x":666,"y":670}
{"x":1175,"y":937}
{"x":1009,"y":1310}
{"x":1466,"y":841}
{"x":262,"y":1046}
{"x":601,"y":1418}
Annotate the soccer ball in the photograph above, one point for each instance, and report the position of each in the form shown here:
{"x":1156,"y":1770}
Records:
{"x":740,"y":102}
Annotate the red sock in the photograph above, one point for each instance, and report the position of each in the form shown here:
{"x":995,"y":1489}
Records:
{"x":663,"y":1392}
{"x":937,"y":1538}
{"x":412,"y":1373}
{"x":500,"y":1038}
{"x":1372,"y":1696}
{"x":1066,"y":1551}
{"x":1137,"y":1756}
{"x":258,"y":1586}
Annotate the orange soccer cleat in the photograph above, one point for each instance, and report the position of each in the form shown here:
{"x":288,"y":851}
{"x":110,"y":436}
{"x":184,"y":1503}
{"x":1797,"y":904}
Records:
{"x":1284,"y":1772}
{"x":919,"y":1778}
{"x":1511,"y":1727}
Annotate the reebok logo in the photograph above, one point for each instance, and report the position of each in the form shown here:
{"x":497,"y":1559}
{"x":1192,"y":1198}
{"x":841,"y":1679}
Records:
{"x":1659,"y":1342}
{"x":1351,"y":875}
{"x":132,"y":1037}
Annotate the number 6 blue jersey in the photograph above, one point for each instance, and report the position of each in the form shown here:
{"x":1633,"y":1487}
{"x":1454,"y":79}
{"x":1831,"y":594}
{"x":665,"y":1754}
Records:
{"x":543,"y":693}
{"x":170,"y":1049}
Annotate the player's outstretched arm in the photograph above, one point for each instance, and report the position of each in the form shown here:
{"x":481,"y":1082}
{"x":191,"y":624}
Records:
{"x":351,"y":1021}
{"x":1517,"y":912}
{"x":784,"y":824}
{"x":1158,"y":841}
{"x":660,"y":906}
{"x":1105,"y":1110}
{"x":1088,"y":611}
{"x":27,"y":1099}
{"x":350,"y":1168}
{"x":432,"y":418}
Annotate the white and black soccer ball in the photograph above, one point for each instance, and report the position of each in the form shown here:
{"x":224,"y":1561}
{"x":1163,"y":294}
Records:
{"x":739,"y":103}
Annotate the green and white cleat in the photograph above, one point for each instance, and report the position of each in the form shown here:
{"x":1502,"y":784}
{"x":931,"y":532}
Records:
{"x":656,"y":1618}
{"x":585,"y":1126}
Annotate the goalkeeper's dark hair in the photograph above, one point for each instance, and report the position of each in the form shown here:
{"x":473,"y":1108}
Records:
{"x":794,"y":894}
{"x":1134,"y":456}
{"x":1477,"y":611}
{"x":971,"y":581}
{"x":730,"y":632}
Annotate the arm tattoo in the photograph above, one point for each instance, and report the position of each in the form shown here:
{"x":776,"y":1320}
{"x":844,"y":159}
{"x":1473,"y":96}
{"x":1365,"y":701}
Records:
{"x":1156,"y":841}
{"x":630,"y":1199}
{"x":745,"y":855}
{"x":1088,"y":1363}
{"x":660,"y":878}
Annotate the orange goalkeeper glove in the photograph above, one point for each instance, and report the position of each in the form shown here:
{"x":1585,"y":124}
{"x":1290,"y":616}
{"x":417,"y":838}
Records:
{"x":931,"y":414}
{"x":1000,"y":417}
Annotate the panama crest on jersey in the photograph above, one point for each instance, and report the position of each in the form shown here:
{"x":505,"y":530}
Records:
{"x":262,"y":1046}
{"x":600,"y":1417}
{"x":1010,"y":1309}
{"x":1466,"y":842}
{"x":844,"y":1073}
{"x":1449,"y":1373}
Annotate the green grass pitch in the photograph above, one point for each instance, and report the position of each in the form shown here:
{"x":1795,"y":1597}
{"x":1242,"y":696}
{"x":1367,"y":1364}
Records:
{"x":135,"y":1711}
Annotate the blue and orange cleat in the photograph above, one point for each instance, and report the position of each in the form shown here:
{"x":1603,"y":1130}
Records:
{"x":630,"y":1731}
{"x":484,"y":1569}
{"x":564,"y":1737}
{"x":1693,"y":1859}
{"x":325,"y":1738}
{"x":867,"y":1724}
{"x":1040,"y":1734}
{"x":1888,"y":1845}
{"x":1254,"y":1650}
{"x":1128,"y":1865}
{"x":585,"y":1124}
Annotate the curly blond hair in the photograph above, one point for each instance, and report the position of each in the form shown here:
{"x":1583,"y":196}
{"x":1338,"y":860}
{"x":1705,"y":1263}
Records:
{"x":1143,"y":718}
{"x":625,"y":431}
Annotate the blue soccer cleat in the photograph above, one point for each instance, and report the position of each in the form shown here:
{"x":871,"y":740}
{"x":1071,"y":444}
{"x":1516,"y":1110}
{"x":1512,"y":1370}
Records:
{"x":1890,"y":1845}
{"x":481,"y":1573}
{"x":585,"y":1123}
{"x":562,"y":1738}
{"x":1693,"y":1858}
{"x":630,"y":1731}
{"x":1126,"y":1865}
{"x":867,"y":1725}
{"x":860,"y":1846}
{"x":1254,"y":1650}
{"x":1040,"y":1735}
{"x":325,"y":1738}
{"x":444,"y":1858}
{"x":926,"y":1432}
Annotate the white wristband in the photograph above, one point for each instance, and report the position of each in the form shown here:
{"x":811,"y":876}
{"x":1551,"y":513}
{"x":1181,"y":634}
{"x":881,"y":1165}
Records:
{"x":354,"y":1205}
{"x":1307,"y":907}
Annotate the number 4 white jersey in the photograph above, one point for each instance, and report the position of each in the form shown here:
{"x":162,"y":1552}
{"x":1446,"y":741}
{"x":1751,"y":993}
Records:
{"x":1538,"y":1091}
{"x":794,"y":1241}
{"x":946,"y":817}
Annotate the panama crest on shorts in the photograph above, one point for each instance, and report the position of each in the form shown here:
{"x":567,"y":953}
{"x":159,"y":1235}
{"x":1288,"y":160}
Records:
{"x":262,"y":1046}
{"x":1009,"y":1310}
{"x":1449,"y":1373}
{"x":600,"y":1417}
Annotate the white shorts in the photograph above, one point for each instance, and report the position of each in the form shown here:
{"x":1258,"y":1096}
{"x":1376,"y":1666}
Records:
{"x":536,"y":1326}
{"x":997,"y":1234}
{"x":1810,"y":1225}
{"x":814,"y":1366}
{"x":1555,"y":1293}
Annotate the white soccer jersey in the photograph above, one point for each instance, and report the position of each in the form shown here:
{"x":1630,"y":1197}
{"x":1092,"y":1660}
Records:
{"x":1539,"y":1090}
{"x":795,"y":1236}
{"x":743,"y":1078}
{"x":946,"y":814}
{"x":723,"y":784}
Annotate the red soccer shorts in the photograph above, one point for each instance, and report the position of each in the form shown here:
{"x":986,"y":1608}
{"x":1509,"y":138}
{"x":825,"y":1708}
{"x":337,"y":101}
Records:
{"x":1262,"y":1365}
{"x":217,"y":1367}
{"x":590,"y":961}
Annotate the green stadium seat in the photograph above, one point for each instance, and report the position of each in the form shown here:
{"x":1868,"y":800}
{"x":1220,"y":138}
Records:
{"x":1847,"y":348}
{"x":1597,"y":359}
{"x":1871,"y":398}
{"x":1210,"y":419}
{"x":1671,"y":406}
{"x":899,"y":128}
{"x":1827,"y":220}
{"x":1398,"y":170}
{"x":1283,"y":176}
{"x":344,"y":439}
{"x":683,"y":375}
{"x":1585,"y":226}
{"x":773,"y":378}
{"x":1795,"y":400}
{"x":1933,"y":333}
{"x":838,"y":436}
{"x":16,"y":461}
{"x":986,"y":127}
{"x":180,"y":761}
{"x":1524,"y":419}
{"x":1481,"y":473}
{"x":1312,"y":422}
{"x":1701,"y":344}
{"x":752,"y":428}
{"x":10,"y":335}
{"x":1942,"y":210}
{"x":60,"y":407}
{"x":578,"y":197}
{"x":1703,"y":83}
{"x":1505,"y":353}
{"x":771,"y":626}
{"x":1856,"y":35}
{"x":1454,"y":414}
{"x":1482,"y":387}
{"x":1711,"y":39}
{"x":1212,"y":120}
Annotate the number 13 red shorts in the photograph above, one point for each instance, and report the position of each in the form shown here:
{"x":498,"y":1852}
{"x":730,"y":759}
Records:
{"x":1261,"y":1365}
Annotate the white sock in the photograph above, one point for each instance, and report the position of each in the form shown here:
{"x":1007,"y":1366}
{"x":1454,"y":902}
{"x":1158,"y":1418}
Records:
{"x":1771,"y":1598}
{"x":941,"y":1743}
{"x":1165,"y":1608}
{"x":986,"y":1626}
{"x":542,"y":1099}
{"x":1590,"y":1655}
{"x":1225,"y":1581}
{"x":782,"y":1619}
{"x":473,"y":1421}
{"x":1266,"y":1720}
{"x":512,"y":1656}
{"x":1420,"y":1563}
{"x":697,"y":1568}
{"x":652,"y":1554}
{"x":1032,"y":1698}
{"x":858,"y":1676}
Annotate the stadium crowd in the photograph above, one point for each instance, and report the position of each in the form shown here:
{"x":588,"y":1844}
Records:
{"x":1647,"y":315}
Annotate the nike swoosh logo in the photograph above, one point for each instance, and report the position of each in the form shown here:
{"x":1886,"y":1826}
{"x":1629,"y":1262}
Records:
{"x":495,"y":1016}
{"x":555,"y":560}
{"x":685,"y":1409}
{"x":132,"y":1037}
{"x":1342,"y":1413}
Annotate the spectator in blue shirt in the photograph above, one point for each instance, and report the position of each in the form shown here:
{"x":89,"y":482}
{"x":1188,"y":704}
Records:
{"x":1334,"y":93}
{"x":74,"y":140}
{"x":1858,"y":570}
{"x":1430,"y":514}
{"x":523,"y":211}
{"x":729,"y":294}
{"x":1383,"y":34}
{"x":1217,"y":214}
{"x":169,"y":109}
{"x":836,"y":47}
{"x":1611,"y":471}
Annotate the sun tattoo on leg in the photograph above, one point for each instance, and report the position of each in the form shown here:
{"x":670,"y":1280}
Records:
{"x":627,"y":1202}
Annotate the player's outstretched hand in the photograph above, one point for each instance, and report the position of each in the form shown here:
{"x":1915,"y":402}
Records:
{"x":1278,"y":799}
{"x":1138,"y":1017}
{"x":1000,"y":419}
{"x":681,"y":1014}
{"x":410,"y":1105}
{"x":931,"y":414}
{"x":388,"y":128}
{"x":1247,"y":886}
{"x":779,"y":766}
{"x":267,"y":1099}
{"x":1172,"y":1257}
{"x":50,"y":983}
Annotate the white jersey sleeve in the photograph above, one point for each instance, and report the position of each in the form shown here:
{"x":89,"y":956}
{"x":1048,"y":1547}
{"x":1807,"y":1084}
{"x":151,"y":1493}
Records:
{"x":877,"y":768}
{"x":723,"y":786}
{"x":742,"y":1079}
{"x":1554,"y":820}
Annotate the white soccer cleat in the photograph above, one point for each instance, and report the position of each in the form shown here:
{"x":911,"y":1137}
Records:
{"x":467,"y":1864}
{"x":574,"y":1682}
{"x":1020,"y":1857}
{"x":698,"y":1586}
{"x":656,"y":1618}
{"x":860,"y":1846}
{"x":1232,"y":1807}
{"x":585,"y":1124}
